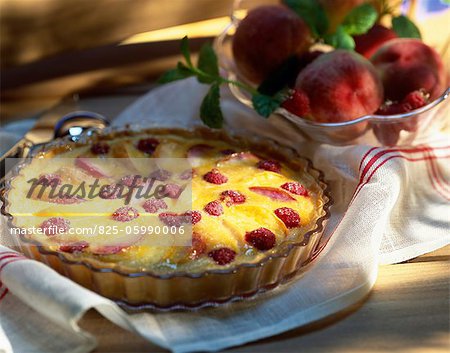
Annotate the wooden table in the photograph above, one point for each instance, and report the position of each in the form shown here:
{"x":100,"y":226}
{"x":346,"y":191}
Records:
{"x":407,"y":311}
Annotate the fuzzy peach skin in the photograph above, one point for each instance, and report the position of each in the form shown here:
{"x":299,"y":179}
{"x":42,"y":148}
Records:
{"x":407,"y":65}
{"x":341,"y":85}
{"x":266,"y":37}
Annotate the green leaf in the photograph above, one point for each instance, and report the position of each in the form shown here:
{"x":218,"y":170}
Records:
{"x":207,"y":62}
{"x":340,"y":39}
{"x":179,"y":73}
{"x":185,"y":50}
{"x":266,"y":105}
{"x":210,"y":111}
{"x":405,"y":28}
{"x":312,"y":13}
{"x":360,"y":19}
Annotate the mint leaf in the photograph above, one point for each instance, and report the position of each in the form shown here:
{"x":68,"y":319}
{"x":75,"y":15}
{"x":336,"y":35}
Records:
{"x":360,"y":19}
{"x":185,"y":50}
{"x":210,"y":111}
{"x":265,"y":105}
{"x":312,"y":13}
{"x":207,"y":62}
{"x":405,"y":28}
{"x":179,"y":73}
{"x":340,"y":39}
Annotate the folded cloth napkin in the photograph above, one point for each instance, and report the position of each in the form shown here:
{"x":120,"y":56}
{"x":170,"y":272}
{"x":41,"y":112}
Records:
{"x":390,"y":204}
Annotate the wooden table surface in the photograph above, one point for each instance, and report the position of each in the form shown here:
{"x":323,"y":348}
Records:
{"x":407,"y":311}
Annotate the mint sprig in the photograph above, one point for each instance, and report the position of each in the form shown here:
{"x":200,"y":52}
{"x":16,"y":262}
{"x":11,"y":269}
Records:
{"x":265,"y":105}
{"x":340,"y":39}
{"x":210,"y":111}
{"x":207,"y":71}
{"x":360,"y":19}
{"x":405,"y":28}
{"x":207,"y":62}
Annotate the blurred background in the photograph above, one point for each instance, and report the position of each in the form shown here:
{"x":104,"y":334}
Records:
{"x":54,"y":48}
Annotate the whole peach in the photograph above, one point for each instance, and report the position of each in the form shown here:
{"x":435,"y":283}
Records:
{"x":341,"y":85}
{"x":266,"y":37}
{"x":407,"y":65}
{"x":368,"y":43}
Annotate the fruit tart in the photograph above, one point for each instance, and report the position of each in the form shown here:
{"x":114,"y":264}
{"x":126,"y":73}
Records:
{"x":235,"y":216}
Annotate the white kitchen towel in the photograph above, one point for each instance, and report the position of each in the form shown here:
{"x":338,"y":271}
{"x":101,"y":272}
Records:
{"x":391,"y":204}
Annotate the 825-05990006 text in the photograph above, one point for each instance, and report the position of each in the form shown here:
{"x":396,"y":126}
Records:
{"x":104,"y":230}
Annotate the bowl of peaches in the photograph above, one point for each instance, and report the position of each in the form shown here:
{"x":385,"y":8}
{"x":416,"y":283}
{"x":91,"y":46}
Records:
{"x":340,"y":72}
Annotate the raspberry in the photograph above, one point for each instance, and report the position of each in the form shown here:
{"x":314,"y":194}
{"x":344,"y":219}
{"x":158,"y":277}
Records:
{"x":172,"y":191}
{"x":54,"y":226}
{"x":125,"y":214}
{"x":214,"y":208}
{"x":172,"y":219}
{"x":415,"y":99}
{"x":391,"y":108}
{"x":198,"y":247}
{"x":187,"y":174}
{"x":132,"y":180}
{"x":74,"y":247}
{"x":289,"y":217}
{"x":261,"y":238}
{"x":147,"y":145}
{"x":232,"y":197}
{"x":49,"y":180}
{"x":160,"y":175}
{"x":111,"y":191}
{"x":215,"y":177}
{"x":222,"y":256}
{"x":100,"y":148}
{"x":412,"y":100}
{"x":193,"y":216}
{"x":270,"y":165}
{"x":154,"y":205}
{"x":295,"y":188}
{"x":297,"y":103}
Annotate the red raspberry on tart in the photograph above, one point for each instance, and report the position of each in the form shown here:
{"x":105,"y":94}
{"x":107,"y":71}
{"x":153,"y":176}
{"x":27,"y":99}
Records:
{"x":215,"y":177}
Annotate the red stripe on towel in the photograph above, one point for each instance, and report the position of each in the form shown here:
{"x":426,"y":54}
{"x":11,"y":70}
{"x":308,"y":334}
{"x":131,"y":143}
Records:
{"x":2,"y":295}
{"x":3,"y":265}
{"x":361,"y":184}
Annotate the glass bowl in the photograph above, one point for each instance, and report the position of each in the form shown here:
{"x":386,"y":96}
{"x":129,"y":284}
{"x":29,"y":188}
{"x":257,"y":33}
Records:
{"x":410,"y":128}
{"x":180,"y":290}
